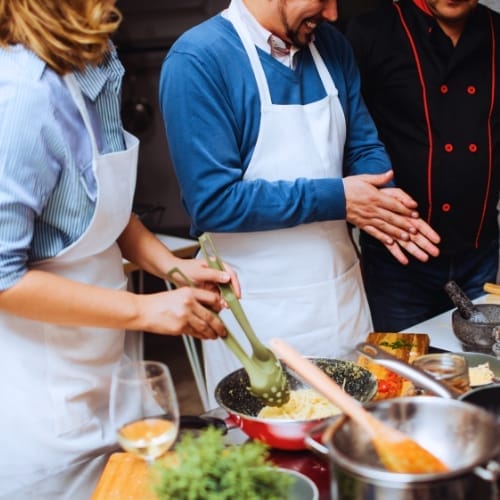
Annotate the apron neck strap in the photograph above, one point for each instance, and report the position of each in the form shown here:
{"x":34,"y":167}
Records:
{"x":324,"y":74}
{"x":234,"y":14}
{"x":77,"y":95}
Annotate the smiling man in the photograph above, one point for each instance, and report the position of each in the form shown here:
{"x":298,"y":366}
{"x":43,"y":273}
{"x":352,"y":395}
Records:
{"x":274,"y":152}
{"x":429,"y":71}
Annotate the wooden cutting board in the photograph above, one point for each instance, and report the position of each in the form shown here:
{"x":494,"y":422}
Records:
{"x":126,"y":477}
{"x":405,"y":346}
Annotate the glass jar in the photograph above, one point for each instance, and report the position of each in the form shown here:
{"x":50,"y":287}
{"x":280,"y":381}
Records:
{"x":451,"y":369}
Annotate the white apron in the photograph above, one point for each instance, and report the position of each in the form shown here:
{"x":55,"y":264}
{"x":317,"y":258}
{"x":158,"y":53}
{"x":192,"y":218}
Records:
{"x":303,"y":283}
{"x":56,"y":380}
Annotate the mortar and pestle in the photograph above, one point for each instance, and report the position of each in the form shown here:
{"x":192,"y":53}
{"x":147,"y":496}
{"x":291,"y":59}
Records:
{"x":477,"y":326}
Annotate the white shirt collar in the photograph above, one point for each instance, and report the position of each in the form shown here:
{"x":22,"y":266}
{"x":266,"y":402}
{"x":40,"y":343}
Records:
{"x":260,"y":36}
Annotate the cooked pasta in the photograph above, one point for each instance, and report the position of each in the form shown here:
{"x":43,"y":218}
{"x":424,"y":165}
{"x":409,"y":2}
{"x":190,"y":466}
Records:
{"x":304,"y":404}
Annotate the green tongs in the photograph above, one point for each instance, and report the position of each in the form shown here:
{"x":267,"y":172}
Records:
{"x":268,"y":380}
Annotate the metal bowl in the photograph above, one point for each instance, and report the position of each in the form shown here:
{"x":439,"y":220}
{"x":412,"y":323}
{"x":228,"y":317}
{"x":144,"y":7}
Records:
{"x":477,"y":337}
{"x":302,"y":488}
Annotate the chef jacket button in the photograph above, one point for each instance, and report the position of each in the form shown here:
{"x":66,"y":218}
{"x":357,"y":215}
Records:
{"x":445,"y":207}
{"x":448,"y":148}
{"x":472,"y":148}
{"x":444,"y":89}
{"x":471,"y":90}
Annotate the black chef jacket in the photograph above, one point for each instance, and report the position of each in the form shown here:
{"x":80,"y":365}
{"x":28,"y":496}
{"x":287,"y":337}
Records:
{"x":437,"y":111}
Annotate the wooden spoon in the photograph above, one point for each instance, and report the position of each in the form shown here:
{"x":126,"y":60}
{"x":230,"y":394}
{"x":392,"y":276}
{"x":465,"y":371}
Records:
{"x":396,"y":450}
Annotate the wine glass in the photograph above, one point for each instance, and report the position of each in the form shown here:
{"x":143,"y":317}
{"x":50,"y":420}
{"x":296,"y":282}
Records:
{"x":144,"y":408}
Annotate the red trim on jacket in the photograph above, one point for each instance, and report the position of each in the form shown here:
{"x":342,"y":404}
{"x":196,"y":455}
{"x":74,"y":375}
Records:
{"x":490,"y":120}
{"x":422,"y":5}
{"x":428,"y":120}
{"x":426,"y":110}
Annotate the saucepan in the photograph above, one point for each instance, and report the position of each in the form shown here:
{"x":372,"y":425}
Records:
{"x":242,"y":408}
{"x":466,"y":438}
{"x":462,"y":435}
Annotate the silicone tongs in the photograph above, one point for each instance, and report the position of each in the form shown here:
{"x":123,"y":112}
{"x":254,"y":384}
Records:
{"x":268,"y":380}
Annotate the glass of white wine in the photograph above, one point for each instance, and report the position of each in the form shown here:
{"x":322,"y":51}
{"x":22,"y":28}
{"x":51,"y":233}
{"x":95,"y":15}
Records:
{"x":144,"y":408}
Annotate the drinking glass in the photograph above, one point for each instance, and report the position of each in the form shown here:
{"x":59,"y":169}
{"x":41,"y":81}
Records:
{"x":451,"y":369}
{"x":144,"y":408}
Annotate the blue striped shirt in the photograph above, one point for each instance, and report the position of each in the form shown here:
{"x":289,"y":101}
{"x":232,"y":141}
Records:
{"x":47,"y":186}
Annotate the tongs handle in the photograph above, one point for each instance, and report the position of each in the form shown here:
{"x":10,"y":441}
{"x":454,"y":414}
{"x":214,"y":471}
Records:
{"x":230,"y":339}
{"x":227,"y":291}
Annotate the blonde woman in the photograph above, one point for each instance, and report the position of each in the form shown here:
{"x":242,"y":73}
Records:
{"x":67,"y":182}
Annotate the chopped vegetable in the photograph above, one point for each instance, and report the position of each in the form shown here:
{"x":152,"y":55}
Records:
{"x":206,"y":468}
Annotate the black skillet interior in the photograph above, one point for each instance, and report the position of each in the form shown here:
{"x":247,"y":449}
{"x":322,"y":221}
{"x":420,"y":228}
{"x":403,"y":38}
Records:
{"x":232,"y":392}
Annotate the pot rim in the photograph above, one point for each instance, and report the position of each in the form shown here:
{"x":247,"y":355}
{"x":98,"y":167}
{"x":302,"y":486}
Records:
{"x":381,"y":475}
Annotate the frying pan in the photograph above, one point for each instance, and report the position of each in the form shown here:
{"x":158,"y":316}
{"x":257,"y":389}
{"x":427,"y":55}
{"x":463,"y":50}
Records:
{"x":233,"y":396}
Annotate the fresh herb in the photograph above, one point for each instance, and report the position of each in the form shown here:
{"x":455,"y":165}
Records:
{"x":397,"y":344}
{"x":205,"y":468}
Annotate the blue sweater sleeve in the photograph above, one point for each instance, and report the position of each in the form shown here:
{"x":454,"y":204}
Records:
{"x":211,"y":110}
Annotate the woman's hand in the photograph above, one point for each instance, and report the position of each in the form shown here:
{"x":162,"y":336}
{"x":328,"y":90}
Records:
{"x":203,"y":276}
{"x":188,"y":311}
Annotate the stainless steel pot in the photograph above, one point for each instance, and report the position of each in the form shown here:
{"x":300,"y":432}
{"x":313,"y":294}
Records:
{"x":465,"y":437}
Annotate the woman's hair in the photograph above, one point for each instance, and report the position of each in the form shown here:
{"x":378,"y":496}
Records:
{"x":66,"y":34}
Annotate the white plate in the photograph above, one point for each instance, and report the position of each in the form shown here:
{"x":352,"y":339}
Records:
{"x":475,"y":358}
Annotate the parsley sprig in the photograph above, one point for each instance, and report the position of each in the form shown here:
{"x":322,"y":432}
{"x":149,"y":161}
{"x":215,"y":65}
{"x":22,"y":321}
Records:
{"x":208,"y":469}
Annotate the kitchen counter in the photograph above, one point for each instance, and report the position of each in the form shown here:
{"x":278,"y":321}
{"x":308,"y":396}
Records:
{"x":306,"y":462}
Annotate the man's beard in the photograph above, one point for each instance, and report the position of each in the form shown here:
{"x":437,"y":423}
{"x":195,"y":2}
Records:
{"x":293,"y":36}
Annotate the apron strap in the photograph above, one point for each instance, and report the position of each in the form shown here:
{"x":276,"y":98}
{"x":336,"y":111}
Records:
{"x":324,"y":74}
{"x":77,"y":95}
{"x":233,"y":13}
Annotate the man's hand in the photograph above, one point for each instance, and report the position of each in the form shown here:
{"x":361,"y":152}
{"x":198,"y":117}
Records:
{"x":389,"y":215}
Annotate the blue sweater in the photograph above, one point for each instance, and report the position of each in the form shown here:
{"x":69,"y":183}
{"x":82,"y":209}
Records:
{"x":211,"y":108}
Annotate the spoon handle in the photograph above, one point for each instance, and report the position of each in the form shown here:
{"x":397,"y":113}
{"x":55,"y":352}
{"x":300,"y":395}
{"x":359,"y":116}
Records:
{"x":417,"y":376}
{"x":323,"y":384}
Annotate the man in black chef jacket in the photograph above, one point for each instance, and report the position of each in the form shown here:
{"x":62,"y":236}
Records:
{"x":430,"y":75}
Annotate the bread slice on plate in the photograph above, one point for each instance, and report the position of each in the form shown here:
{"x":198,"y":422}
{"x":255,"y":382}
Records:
{"x":405,"y":346}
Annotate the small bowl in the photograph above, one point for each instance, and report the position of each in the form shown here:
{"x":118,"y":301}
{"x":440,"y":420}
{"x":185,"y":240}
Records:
{"x":477,"y":337}
{"x":475,"y":358}
{"x":302,"y":487}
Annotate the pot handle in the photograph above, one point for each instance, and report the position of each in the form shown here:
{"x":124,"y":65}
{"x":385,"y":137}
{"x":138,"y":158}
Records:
{"x":417,"y":376}
{"x":313,"y":444}
{"x":202,"y":422}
